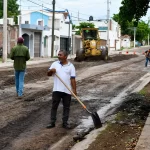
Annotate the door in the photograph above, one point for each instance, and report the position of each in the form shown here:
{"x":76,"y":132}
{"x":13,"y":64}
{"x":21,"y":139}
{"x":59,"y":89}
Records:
{"x":37,"y":44}
{"x":26,"y":40}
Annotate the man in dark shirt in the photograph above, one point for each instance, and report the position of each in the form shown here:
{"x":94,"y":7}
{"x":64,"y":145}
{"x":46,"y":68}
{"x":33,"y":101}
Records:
{"x":147,"y":56}
{"x":20,"y":54}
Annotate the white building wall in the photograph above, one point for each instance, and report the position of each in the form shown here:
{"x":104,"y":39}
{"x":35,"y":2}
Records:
{"x":25,"y":17}
{"x":118,"y":44}
{"x":64,"y":28}
{"x":103,"y":35}
{"x":125,"y":43}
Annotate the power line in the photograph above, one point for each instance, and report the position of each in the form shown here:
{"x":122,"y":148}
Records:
{"x":37,"y":4}
{"x":57,"y":6}
{"x":48,"y":8}
{"x":64,"y":8}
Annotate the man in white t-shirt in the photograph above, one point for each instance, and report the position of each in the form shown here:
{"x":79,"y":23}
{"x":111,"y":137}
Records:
{"x":66,"y":71}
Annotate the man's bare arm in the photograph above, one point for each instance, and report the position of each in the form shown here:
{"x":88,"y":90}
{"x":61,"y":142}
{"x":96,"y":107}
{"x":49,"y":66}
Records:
{"x":73,"y":84}
{"x":51,"y":72}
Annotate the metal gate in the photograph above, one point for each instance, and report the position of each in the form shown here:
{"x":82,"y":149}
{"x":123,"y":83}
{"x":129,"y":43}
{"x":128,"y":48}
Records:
{"x":37,"y":44}
{"x":64,"y":44}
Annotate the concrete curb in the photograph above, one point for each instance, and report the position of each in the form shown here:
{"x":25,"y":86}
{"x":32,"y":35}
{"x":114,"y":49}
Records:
{"x":144,"y":140}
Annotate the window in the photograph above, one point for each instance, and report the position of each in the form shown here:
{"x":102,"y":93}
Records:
{"x":26,"y":22}
{"x":40,"y":23}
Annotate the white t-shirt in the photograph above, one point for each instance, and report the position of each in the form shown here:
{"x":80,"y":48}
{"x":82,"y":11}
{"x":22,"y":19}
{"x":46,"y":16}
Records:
{"x":65,"y":72}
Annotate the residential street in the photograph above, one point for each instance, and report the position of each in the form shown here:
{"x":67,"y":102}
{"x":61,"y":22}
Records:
{"x":23,"y":122}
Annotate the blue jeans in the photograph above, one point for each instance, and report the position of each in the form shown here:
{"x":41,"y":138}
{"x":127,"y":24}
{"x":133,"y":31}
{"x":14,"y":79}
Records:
{"x":146,"y":62}
{"x":19,"y":81}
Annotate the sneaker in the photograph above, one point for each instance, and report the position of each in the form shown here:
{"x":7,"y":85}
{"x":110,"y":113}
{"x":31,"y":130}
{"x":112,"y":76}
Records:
{"x":66,"y":126}
{"x":51,"y":125}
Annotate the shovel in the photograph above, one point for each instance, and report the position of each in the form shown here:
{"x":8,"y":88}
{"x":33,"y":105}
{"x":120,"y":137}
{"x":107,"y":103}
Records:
{"x":94,"y":115}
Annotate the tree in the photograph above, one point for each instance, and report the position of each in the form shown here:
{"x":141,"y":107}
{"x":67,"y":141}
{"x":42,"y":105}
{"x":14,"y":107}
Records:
{"x":124,"y":24}
{"x":116,"y":17}
{"x":12,"y":9}
{"x":142,"y":31}
{"x":133,"y":10}
{"x":127,"y":28}
{"x":84,"y":25}
{"x":73,"y":26}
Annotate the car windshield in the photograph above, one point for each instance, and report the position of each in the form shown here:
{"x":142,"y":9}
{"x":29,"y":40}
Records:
{"x":90,"y":34}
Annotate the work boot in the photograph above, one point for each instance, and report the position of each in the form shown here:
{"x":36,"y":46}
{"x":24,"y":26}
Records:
{"x":66,"y":126}
{"x":51,"y":125}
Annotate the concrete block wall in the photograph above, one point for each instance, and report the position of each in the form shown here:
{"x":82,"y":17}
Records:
{"x":12,"y":34}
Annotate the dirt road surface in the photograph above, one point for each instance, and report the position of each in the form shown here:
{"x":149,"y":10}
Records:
{"x":23,"y":122}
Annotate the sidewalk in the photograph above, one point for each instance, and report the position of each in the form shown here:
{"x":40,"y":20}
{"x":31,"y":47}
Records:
{"x":9,"y":62}
{"x":144,"y":140}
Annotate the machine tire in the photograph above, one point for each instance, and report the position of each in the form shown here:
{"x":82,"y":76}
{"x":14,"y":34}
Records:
{"x":79,"y":55}
{"x":104,"y":55}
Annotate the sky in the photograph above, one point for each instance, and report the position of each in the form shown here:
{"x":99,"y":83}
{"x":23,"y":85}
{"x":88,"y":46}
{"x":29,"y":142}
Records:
{"x":81,"y":8}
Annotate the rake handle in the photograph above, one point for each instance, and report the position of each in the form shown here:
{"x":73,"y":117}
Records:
{"x":71,"y":92}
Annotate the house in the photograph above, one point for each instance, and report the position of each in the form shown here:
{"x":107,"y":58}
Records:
{"x":36,"y":29}
{"x":125,"y":41}
{"x":114,"y":31}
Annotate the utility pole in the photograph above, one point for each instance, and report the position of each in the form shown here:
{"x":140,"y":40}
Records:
{"x":53,"y":21}
{"x":108,"y":24}
{"x":20,"y":30}
{"x":42,"y":14}
{"x":4,"y":31}
{"x":69,"y":38}
{"x":148,"y":39}
{"x":134,"y":35}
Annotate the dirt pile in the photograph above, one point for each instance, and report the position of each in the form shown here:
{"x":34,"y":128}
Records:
{"x":123,"y":132}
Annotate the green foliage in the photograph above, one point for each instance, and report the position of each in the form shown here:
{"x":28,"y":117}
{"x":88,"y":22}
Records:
{"x":84,"y":25}
{"x":142,"y":31}
{"x":115,"y":17}
{"x":133,"y":10}
{"x":12,"y":9}
{"x":73,"y":26}
{"x":127,"y":28}
{"x":143,"y":92}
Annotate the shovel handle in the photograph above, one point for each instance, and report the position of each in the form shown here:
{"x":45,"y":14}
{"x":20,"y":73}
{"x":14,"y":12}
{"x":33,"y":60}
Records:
{"x":71,"y":92}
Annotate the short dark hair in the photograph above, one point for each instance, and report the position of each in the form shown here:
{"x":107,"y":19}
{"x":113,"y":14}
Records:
{"x":64,"y":52}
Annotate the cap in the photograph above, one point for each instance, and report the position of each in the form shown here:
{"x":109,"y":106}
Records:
{"x":20,"y":40}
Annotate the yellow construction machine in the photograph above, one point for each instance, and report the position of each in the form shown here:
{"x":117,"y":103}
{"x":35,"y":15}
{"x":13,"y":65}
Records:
{"x":91,"y":45}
